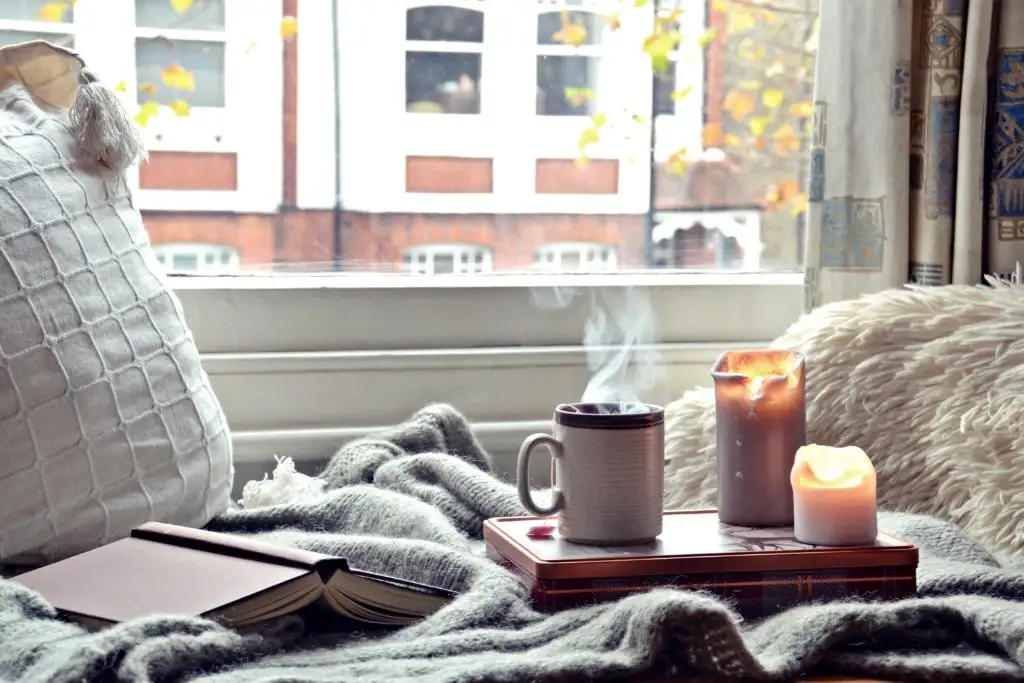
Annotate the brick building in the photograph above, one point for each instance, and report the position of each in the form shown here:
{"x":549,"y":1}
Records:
{"x":454,"y":148}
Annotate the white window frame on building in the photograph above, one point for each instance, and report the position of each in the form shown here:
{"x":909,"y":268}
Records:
{"x":62,"y":33}
{"x":561,"y":257}
{"x":683,"y":127}
{"x":105,"y":35}
{"x":466,"y":259}
{"x":209,"y":259}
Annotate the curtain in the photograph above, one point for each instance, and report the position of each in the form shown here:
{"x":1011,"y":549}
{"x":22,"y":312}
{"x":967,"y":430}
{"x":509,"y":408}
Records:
{"x":917,"y":145}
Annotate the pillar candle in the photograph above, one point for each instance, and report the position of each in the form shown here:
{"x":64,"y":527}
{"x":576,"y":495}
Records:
{"x":760,"y":424}
{"x":834,"y":496}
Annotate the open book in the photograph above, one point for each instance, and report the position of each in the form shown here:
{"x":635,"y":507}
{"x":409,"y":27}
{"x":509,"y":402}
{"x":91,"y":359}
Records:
{"x":169,"y":569}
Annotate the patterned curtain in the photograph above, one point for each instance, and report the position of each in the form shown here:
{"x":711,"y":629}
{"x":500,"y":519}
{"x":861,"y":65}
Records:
{"x":917,"y":145}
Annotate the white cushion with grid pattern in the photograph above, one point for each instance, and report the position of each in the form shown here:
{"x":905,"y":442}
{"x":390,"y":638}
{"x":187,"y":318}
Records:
{"x":107,"y":419}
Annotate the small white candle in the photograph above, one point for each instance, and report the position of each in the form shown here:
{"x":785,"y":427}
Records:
{"x":834,"y":496}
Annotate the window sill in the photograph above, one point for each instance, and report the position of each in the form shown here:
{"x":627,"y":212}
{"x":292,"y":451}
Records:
{"x":303,"y":364}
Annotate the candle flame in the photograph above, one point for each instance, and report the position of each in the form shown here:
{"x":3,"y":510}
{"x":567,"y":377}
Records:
{"x":831,"y":468}
{"x":759,"y":367}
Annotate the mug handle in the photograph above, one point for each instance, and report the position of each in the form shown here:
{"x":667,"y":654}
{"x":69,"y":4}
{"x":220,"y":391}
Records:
{"x":523,"y":475}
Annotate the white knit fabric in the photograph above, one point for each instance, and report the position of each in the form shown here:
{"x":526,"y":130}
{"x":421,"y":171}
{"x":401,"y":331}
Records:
{"x":107,"y":419}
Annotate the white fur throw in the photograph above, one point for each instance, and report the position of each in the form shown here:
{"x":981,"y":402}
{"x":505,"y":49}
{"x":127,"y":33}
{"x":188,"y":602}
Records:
{"x":928,"y":381}
{"x":107,"y":419}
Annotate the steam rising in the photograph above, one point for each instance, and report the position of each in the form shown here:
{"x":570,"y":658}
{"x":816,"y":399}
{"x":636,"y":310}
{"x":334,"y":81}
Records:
{"x":619,"y":337}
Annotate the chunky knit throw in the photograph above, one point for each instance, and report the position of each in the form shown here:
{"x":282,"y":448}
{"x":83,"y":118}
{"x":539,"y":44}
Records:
{"x":412,"y":501}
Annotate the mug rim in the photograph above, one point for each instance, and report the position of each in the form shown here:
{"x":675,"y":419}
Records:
{"x":570,"y":415}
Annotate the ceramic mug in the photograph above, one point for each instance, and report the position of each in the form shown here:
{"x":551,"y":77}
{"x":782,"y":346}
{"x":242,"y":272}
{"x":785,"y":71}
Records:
{"x":608,"y":473}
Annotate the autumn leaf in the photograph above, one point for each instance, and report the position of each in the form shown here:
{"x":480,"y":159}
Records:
{"x":122,"y":86}
{"x":739,"y":21}
{"x":591,"y":135}
{"x":582,"y":161}
{"x":147,"y":110}
{"x":711,"y":135}
{"x":773,"y":98}
{"x":148,"y":89}
{"x":733,"y":141}
{"x":613,"y":21}
{"x":178,"y":77}
{"x":571,"y":33}
{"x":799,"y":204}
{"x":577,"y":97}
{"x":801,"y":110}
{"x":181,"y":6}
{"x":659,"y":46}
{"x":289,"y":27}
{"x":720,"y":5}
{"x":51,"y":11}
{"x":788,"y":189}
{"x":640,"y":3}
{"x":707,"y":37}
{"x":180,"y":107}
{"x":681,"y":93}
{"x":786,"y":139}
{"x":750,"y":85}
{"x":677,"y":162}
{"x":738,"y":104}
{"x":759,"y":124}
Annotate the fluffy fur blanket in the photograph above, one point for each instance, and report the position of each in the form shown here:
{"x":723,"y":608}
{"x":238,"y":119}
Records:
{"x":928,"y":381}
{"x":412,"y":501}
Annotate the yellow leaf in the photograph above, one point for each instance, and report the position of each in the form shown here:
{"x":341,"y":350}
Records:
{"x":750,"y":85}
{"x":738,"y":104}
{"x":52,"y":11}
{"x":720,"y":5}
{"x":147,"y":111}
{"x":801,"y":110}
{"x":759,"y":124}
{"x":571,"y":33}
{"x":705,"y":38}
{"x":122,"y":86}
{"x":788,"y":189}
{"x":799,"y":204}
{"x":659,"y":46}
{"x":613,"y":21}
{"x":640,"y":3}
{"x":178,"y":77}
{"x":289,"y":27}
{"x":148,"y":89}
{"x":786,"y":139}
{"x":711,"y":135}
{"x":589,"y":136}
{"x":180,"y":107}
{"x":681,"y":93}
{"x":677,"y":162}
{"x":739,"y":21}
{"x":582,"y":160}
{"x":181,"y":6}
{"x":773,"y":98}
{"x":733,"y":141}
{"x":599,"y":120}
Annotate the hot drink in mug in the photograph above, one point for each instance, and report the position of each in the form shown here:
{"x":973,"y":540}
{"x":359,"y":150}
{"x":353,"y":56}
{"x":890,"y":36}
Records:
{"x":608,"y":472}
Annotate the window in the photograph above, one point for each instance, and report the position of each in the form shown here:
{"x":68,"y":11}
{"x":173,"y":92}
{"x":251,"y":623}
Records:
{"x":22,"y":21}
{"x":568,"y":74}
{"x":180,"y":56}
{"x":575,"y":256}
{"x":447,"y":259}
{"x":443,"y":60}
{"x":208,"y":259}
{"x":344,"y":256}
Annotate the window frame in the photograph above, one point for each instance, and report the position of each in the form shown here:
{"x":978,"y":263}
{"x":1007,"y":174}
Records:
{"x":460,"y":253}
{"x":166,"y":251}
{"x":608,"y":261}
{"x":303,"y":363}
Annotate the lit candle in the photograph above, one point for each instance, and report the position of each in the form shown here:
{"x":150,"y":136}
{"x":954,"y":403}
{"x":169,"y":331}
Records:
{"x":834,"y":498}
{"x":760,"y":424}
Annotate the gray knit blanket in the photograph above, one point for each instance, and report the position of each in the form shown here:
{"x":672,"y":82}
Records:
{"x":412,"y":502}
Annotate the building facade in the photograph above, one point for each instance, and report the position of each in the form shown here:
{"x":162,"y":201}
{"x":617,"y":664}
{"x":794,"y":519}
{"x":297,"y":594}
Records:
{"x":409,"y":135}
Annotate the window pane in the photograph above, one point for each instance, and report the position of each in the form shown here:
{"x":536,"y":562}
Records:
{"x":442,"y":82}
{"x":664,"y":86}
{"x":185,"y":262}
{"x":29,"y":10}
{"x":202,"y":15}
{"x":576,"y":28}
{"x":561,"y":155}
{"x":453,"y":24}
{"x":204,"y":60}
{"x":15,"y":37}
{"x":566,"y":85}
